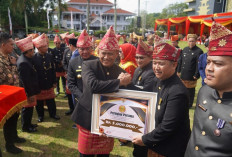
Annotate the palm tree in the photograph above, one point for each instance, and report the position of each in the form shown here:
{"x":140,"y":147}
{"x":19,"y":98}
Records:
{"x":17,"y":5}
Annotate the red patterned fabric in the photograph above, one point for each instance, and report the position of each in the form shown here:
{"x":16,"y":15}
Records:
{"x":84,"y":40}
{"x":220,"y":41}
{"x":12,"y":99}
{"x":25,"y":44}
{"x":46,"y":94}
{"x":67,"y":37}
{"x":60,"y":74}
{"x":93,"y":144}
{"x":144,"y":49}
{"x":33,"y":35}
{"x":40,"y":41}
{"x":165,"y":51}
{"x":57,"y":39}
{"x":63,"y":35}
{"x":109,"y":41}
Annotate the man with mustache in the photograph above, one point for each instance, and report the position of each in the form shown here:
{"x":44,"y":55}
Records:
{"x":212,"y":126}
{"x":172,"y":128}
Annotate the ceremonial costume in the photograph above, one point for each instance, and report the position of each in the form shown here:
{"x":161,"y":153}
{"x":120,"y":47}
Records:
{"x":96,"y":79}
{"x":75,"y":84}
{"x":212,"y":125}
{"x":60,"y":72}
{"x":172,"y":128}
{"x":29,"y":80}
{"x":188,"y":67}
{"x":143,"y":80}
{"x":128,"y":63}
{"x":44,"y":66}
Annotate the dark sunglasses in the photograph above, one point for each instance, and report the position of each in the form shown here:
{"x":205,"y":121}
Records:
{"x":139,"y":57}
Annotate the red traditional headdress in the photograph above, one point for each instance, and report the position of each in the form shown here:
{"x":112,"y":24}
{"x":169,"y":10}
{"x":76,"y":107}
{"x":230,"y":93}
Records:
{"x":57,"y":39}
{"x":40,"y":41}
{"x":220,"y":41}
{"x":109,"y":41}
{"x":144,"y":49}
{"x":84,"y":40}
{"x":25,"y":44}
{"x":63,"y":35}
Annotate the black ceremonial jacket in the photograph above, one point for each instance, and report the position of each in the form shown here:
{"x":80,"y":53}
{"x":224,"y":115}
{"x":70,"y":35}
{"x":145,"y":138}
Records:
{"x":143,"y":78}
{"x":96,"y":79}
{"x":210,"y":107}
{"x":28,"y":76}
{"x":188,"y":63}
{"x":75,"y":84}
{"x":172,"y":128}
{"x":66,"y":58}
{"x":58,"y":57}
{"x":44,"y":66}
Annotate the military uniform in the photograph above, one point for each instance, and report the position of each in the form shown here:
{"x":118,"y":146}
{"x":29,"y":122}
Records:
{"x":29,"y":80}
{"x":172,"y":128}
{"x":210,"y":108}
{"x":188,"y":67}
{"x":75,"y":84}
{"x":143,"y":79}
{"x":44,"y":66}
{"x":58,"y":57}
{"x":66,"y":58}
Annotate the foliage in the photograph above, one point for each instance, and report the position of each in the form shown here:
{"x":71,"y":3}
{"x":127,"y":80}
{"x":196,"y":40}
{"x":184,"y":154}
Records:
{"x":97,"y":33}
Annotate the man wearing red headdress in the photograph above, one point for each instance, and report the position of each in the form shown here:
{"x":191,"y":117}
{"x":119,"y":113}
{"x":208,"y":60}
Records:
{"x":143,"y":80}
{"x":44,"y":66}
{"x":99,"y":76}
{"x":212,"y":125}
{"x":58,"y":53}
{"x":28,"y":80}
{"x":127,"y":56}
{"x":84,"y":45}
{"x":172,"y":128}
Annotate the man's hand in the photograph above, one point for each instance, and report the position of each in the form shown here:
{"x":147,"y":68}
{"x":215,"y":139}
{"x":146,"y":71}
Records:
{"x":125,"y":79}
{"x":12,"y":60}
{"x":194,"y":77}
{"x":138,"y":140}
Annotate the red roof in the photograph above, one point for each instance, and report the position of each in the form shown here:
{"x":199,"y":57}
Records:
{"x":74,"y":10}
{"x":119,"y":11}
{"x":91,"y":1}
{"x":93,"y":14}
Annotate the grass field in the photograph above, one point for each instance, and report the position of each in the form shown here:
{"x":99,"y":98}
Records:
{"x":58,"y":138}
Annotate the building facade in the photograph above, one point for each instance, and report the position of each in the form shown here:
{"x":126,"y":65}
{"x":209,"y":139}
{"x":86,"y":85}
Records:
{"x":205,"y":7}
{"x":101,"y":15}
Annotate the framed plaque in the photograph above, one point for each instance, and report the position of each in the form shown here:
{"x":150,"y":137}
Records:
{"x":124,"y":114}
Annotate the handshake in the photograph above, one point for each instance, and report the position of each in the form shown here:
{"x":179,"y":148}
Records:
{"x":125,"y":79}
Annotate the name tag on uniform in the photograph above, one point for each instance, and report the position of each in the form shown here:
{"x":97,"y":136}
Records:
{"x":78,"y":70}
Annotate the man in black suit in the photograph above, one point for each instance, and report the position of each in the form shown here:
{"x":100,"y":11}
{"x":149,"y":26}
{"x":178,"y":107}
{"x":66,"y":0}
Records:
{"x":98,"y":76}
{"x":172,"y":128}
{"x":188,"y":66}
{"x":29,"y":80}
{"x":143,"y":80}
{"x":74,"y":78}
{"x":44,"y":66}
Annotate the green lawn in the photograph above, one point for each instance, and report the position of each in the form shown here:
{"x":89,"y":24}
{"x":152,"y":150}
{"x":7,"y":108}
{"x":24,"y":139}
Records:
{"x":58,"y":138}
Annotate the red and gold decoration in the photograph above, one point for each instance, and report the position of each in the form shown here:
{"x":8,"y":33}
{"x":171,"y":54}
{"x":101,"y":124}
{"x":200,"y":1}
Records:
{"x":12,"y":99}
{"x":109,"y":41}
{"x":84,"y":40}
{"x":25,"y":44}
{"x":144,"y":49}
{"x":33,"y":35}
{"x":220,"y":41}
{"x":165,"y":51}
{"x":40,"y":41}
{"x":174,"y":38}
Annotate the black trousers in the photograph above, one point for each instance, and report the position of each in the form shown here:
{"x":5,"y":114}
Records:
{"x":70,"y":102}
{"x":63,"y":79}
{"x":0,"y":153}
{"x":191,"y":96}
{"x":140,"y":151}
{"x":26,"y":118}
{"x":98,"y":155}
{"x":10,"y":129}
{"x":51,"y":107}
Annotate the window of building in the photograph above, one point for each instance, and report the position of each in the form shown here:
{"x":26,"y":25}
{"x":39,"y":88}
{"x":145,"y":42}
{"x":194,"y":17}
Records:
{"x":92,"y":7}
{"x":111,"y":18}
{"x":124,"y":18}
{"x":92,"y":12}
{"x":81,"y":7}
{"x":84,"y":7}
{"x":96,"y":7}
{"x":101,"y":8}
{"x":218,"y":1}
{"x":97,"y":12}
{"x":118,"y":18}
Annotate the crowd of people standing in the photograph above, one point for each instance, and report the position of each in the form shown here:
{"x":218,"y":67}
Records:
{"x":156,"y":66}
